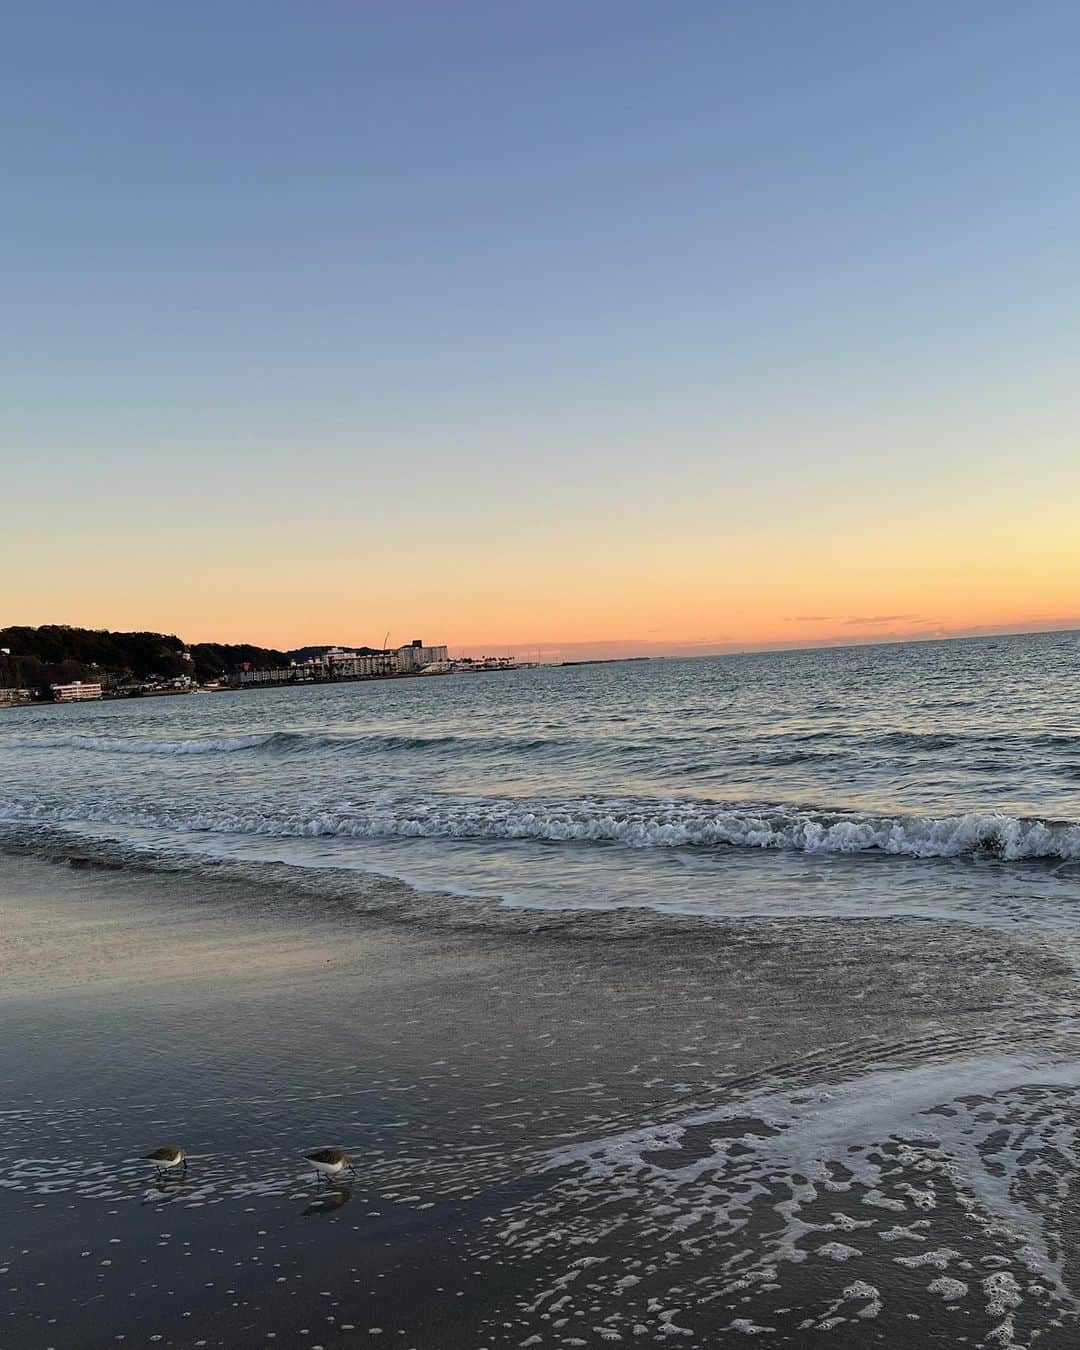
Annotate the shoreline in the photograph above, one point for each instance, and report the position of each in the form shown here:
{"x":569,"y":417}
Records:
{"x":483,"y":1078}
{"x":318,"y":683}
{"x":373,"y":897}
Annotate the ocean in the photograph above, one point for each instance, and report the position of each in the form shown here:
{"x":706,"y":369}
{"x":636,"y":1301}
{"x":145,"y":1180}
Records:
{"x":667,"y":1000}
{"x":923,"y":778}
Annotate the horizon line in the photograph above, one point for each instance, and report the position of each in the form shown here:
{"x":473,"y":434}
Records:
{"x":616,"y":649}
{"x":688,"y":650}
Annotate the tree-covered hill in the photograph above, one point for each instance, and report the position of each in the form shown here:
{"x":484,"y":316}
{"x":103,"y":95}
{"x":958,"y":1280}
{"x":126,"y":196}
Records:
{"x":220,"y":658}
{"x":57,"y":653}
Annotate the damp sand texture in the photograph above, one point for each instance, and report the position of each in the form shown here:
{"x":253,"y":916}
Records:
{"x":623,"y":1126}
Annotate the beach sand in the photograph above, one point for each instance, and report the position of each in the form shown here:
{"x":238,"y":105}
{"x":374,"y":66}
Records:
{"x":567,"y":1129}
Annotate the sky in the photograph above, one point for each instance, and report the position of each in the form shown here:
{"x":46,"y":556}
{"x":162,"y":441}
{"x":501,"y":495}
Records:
{"x":596,"y":328}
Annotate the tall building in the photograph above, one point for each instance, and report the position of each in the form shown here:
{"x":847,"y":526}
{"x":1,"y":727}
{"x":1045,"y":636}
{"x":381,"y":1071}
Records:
{"x":416,"y":656}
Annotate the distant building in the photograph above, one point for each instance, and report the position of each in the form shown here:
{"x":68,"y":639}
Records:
{"x":416,"y":656}
{"x":299,"y":674}
{"x":475,"y":665}
{"x":78,"y":692}
{"x":340,"y":663}
{"x":377,"y":663}
{"x":11,"y":698}
{"x":345,"y":665}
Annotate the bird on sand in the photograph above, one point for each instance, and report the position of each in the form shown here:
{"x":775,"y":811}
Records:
{"x":330,"y":1162}
{"x":165,"y":1159}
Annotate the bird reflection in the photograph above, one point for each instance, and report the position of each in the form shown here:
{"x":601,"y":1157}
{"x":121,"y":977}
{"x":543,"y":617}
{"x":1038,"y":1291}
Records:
{"x":328,"y":1200}
{"x":164,"y":1189}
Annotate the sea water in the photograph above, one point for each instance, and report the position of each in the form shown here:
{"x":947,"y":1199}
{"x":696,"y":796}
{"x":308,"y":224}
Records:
{"x":935,"y":778}
{"x":813,"y":1124}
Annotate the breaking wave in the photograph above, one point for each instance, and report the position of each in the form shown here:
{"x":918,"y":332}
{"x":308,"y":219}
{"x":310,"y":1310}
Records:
{"x":628,"y":824}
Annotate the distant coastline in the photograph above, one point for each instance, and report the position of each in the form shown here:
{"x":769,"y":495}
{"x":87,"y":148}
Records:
{"x":35,"y":660}
{"x":58,"y":663}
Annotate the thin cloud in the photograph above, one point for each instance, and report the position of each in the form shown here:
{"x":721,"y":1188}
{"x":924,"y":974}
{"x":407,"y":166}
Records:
{"x":810,"y":618}
{"x":864,"y":621}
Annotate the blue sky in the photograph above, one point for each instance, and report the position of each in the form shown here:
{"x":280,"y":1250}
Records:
{"x":582,"y":283}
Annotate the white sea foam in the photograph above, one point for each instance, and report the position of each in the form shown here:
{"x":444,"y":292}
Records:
{"x":980,"y":1133}
{"x":629,"y":824}
{"x":804,"y":1131}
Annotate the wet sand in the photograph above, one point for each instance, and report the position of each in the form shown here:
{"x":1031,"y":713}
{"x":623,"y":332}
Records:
{"x":567,"y":1131}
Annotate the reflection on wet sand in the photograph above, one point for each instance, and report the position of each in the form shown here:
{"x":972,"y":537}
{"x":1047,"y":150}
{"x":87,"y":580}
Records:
{"x":327,"y":1201}
{"x":165,"y":1189}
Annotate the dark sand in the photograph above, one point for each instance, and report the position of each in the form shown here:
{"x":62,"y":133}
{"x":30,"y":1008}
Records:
{"x":248,"y":1023}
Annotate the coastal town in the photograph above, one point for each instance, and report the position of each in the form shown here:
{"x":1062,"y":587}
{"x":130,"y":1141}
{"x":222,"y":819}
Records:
{"x":338,"y":663}
{"x":325,"y":665}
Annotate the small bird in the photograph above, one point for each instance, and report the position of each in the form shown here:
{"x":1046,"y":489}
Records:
{"x":330,"y":1162}
{"x":164,"y":1159}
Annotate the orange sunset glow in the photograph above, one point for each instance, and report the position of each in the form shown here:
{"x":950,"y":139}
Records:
{"x":681,"y":577}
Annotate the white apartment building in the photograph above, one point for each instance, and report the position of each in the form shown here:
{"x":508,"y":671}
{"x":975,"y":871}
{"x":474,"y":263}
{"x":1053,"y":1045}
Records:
{"x":78,"y":692}
{"x":404,"y":660}
{"x":302,"y":673}
{"x":344,"y":665}
{"x":379,"y":663}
